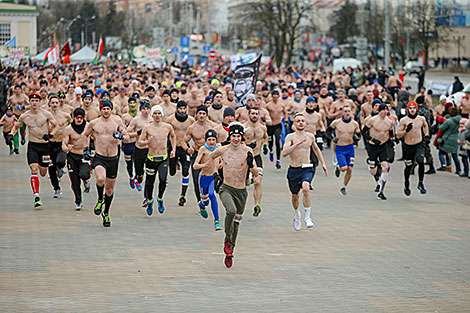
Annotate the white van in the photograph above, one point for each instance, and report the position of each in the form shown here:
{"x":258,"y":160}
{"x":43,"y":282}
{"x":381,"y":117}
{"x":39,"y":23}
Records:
{"x":339,"y":64}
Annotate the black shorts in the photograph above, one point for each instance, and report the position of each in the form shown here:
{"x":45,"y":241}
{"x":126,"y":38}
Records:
{"x":297,"y":175}
{"x":412,"y":153}
{"x":273,"y":128}
{"x":379,"y":153}
{"x":39,"y":153}
{"x":109,"y":163}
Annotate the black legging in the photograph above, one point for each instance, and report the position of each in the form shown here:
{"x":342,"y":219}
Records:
{"x":78,"y":170}
{"x":58,"y":161}
{"x":276,"y":132}
{"x":195,"y":174}
{"x":152,"y":168}
{"x":183,"y":158}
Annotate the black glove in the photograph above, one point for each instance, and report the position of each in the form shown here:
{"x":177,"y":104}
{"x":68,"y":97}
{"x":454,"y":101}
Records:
{"x":427,"y":140}
{"x":356,"y":138}
{"x":117,"y":134}
{"x":440,"y":142}
{"x":86,"y":154}
{"x":9,"y":139}
{"x":335,"y":140}
{"x":409,"y":127}
{"x":376,"y":141}
{"x":263,"y":119}
{"x":218,"y":181}
{"x":249,"y":159}
{"x":46,"y":137}
{"x":265,"y":150}
{"x":225,"y":143}
{"x":252,"y":145}
{"x":139,"y":132}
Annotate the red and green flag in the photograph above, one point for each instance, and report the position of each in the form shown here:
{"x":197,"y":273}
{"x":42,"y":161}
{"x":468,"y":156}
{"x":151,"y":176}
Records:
{"x":99,"y":54}
{"x":52,"y":55}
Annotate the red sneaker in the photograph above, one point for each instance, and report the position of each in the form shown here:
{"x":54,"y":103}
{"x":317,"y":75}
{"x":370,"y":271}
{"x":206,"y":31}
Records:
{"x":228,"y":261}
{"x":228,"y":247}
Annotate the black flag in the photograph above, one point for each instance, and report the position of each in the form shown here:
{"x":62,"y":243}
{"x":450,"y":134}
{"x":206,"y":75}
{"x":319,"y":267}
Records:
{"x":245,"y":81}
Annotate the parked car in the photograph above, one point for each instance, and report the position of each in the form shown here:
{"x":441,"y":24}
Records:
{"x":412,"y":67}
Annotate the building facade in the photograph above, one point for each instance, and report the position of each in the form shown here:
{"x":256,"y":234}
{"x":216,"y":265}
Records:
{"x":19,"y":21}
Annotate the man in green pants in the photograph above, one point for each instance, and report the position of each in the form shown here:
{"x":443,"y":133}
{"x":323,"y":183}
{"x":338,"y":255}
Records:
{"x":237,"y":159}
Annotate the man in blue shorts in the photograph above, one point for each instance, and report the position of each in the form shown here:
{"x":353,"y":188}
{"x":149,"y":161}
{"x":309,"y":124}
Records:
{"x":347,"y":133}
{"x":300,"y":172}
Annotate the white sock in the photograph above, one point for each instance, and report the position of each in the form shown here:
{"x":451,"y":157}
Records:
{"x":344,"y":186}
{"x":307,"y":213}
{"x":384,"y":177}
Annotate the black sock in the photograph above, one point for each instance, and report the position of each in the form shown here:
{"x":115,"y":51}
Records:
{"x":100,"y":190}
{"x":407,"y":176}
{"x":107,"y":203}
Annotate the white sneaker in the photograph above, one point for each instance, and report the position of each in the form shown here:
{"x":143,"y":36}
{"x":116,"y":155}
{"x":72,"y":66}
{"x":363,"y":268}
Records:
{"x":309,"y":223}
{"x":297,"y":224}
{"x":58,"y":194}
{"x":78,"y":207}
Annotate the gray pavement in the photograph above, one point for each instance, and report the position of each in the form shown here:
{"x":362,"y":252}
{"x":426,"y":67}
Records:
{"x":364,"y":255}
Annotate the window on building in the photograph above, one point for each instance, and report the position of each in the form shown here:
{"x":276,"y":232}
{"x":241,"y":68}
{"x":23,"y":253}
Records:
{"x":148,"y":7}
{"x":5,"y":33}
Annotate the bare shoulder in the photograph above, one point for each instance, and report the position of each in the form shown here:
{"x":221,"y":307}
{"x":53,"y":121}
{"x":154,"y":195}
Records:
{"x":334,"y":123}
{"x":191,"y":119}
{"x":356,"y":124}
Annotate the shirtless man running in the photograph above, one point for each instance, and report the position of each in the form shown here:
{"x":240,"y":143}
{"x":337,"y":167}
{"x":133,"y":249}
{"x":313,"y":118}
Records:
{"x":377,"y":131}
{"x":412,"y":127}
{"x":56,"y":168}
{"x":196,"y":132}
{"x":277,"y":111}
{"x":78,"y":162}
{"x":237,"y":159}
{"x":181,"y":122}
{"x":19,"y":102}
{"x":300,"y":172}
{"x":256,"y":133}
{"x":37,"y":120}
{"x":347,"y":133}
{"x":156,"y":135}
{"x":107,"y":130}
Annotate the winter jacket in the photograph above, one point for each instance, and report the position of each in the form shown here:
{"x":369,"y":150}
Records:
{"x":450,"y":134}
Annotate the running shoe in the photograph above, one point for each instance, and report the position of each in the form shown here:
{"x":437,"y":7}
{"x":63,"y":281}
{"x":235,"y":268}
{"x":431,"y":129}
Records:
{"x":257,"y":210}
{"x":202,"y":209}
{"x":161,"y":208}
{"x":421,"y":188}
{"x":310,"y":187}
{"x":37,"y":202}
{"x":228,"y":247}
{"x":182,"y":201}
{"x":17,"y":151}
{"x":23,"y":141}
{"x":132,"y":183}
{"x":149,"y":207}
{"x":271,"y":156}
{"x":228,"y":260}
{"x":138,"y":185}
{"x":407,"y":192}
{"x":381,"y":196}
{"x":106,"y":219}
{"x":265,"y":149}
{"x":58,"y":194}
{"x":337,"y":172}
{"x":217,"y":225}
{"x":144,"y":203}
{"x":78,"y":207}
{"x":278,"y":164}
{"x":343,"y":191}
{"x":309,"y":223}
{"x":98,"y":206}
{"x":297,"y":224}
{"x":86,"y":183}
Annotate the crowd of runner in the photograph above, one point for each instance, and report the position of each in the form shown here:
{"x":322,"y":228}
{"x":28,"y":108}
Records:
{"x":80,"y":119}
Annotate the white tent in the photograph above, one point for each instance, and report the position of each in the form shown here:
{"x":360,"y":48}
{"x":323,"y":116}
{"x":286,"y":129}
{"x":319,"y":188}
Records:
{"x":85,"y":55}
{"x":40,"y":57}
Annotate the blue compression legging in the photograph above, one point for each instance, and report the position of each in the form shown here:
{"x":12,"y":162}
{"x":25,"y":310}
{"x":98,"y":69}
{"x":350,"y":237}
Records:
{"x":206,"y":185}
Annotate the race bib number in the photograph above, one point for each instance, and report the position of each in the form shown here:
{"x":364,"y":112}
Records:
{"x":319,"y":140}
{"x":46,"y":159}
{"x":403,"y":111}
